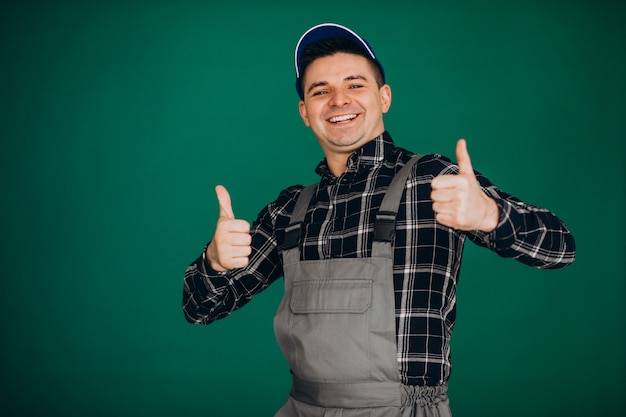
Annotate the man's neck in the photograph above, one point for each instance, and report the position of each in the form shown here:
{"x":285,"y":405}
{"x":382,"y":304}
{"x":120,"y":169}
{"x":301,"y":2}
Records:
{"x":337,"y":160}
{"x":337,"y":164}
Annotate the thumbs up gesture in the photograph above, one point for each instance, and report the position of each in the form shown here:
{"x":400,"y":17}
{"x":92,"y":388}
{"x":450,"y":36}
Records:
{"x":230,"y":246}
{"x":458,"y":200}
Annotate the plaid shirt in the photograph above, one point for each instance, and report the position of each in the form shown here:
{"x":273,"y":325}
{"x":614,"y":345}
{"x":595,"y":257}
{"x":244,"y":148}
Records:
{"x":427,"y":255}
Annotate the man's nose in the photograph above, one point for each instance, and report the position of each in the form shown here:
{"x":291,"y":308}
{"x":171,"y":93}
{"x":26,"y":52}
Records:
{"x":339,"y":98}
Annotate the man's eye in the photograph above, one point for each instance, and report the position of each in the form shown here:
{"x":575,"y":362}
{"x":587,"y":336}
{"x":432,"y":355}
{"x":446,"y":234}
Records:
{"x":356,"y":86}
{"x":319,"y":92}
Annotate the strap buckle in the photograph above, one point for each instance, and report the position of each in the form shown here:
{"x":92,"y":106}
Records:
{"x":385,"y":226}
{"x":292,"y":236}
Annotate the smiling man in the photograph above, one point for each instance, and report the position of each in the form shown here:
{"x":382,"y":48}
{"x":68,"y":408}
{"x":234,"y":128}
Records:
{"x":371,"y":254}
{"x":343,"y":104}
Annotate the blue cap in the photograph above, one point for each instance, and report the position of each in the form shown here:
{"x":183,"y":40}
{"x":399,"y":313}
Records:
{"x":327,"y":31}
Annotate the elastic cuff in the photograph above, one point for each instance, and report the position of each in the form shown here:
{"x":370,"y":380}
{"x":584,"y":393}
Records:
{"x":503,"y":236}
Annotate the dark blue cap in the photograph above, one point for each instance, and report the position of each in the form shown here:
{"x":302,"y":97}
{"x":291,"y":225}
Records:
{"x":327,"y":31}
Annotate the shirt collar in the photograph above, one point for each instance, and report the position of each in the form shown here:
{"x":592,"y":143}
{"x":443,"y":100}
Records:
{"x":370,"y":155}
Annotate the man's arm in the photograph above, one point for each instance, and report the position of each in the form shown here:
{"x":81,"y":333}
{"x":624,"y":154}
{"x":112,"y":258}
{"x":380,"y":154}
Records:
{"x":238,"y":263}
{"x":499,"y":221}
{"x":532,"y":235}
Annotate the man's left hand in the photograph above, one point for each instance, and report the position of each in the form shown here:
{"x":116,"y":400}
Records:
{"x":458,"y":200}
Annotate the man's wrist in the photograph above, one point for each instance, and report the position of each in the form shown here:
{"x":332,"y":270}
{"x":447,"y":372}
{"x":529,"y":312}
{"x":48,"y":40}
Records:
{"x":492,"y":218}
{"x":209,"y":254}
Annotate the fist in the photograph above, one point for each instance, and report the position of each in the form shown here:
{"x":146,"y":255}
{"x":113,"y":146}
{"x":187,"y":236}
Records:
{"x":231,"y":244}
{"x":458,"y":200}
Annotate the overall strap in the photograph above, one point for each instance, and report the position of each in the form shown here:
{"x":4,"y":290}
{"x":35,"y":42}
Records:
{"x":294,"y":229}
{"x":385,"y":225}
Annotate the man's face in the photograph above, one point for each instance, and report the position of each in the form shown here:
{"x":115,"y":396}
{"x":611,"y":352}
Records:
{"x":342,"y":103}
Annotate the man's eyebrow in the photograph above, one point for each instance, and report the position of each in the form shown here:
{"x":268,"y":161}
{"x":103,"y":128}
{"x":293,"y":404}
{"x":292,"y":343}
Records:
{"x":355,"y":77}
{"x":324,"y":83}
{"x":315,"y":85}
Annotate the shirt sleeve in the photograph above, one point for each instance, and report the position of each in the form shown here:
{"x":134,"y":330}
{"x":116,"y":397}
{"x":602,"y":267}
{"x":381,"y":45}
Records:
{"x":209,"y":295}
{"x":532,"y":235}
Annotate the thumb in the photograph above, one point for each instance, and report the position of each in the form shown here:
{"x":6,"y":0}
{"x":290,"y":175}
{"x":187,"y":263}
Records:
{"x":463,"y":158}
{"x":223,"y":198}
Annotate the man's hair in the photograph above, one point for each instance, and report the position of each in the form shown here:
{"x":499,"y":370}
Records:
{"x":330,"y":47}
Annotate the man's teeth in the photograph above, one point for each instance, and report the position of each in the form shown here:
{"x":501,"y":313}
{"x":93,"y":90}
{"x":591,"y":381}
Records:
{"x":343,"y":118}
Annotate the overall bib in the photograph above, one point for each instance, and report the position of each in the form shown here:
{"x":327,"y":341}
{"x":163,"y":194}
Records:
{"x":336,"y":327}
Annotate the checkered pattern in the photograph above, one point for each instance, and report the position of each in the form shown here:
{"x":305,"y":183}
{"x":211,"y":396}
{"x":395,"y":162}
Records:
{"x":427,"y":255}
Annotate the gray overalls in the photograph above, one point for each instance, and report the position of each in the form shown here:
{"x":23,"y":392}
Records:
{"x":336,"y":327}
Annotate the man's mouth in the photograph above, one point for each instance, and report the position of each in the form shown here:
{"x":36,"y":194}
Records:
{"x":345,"y":118}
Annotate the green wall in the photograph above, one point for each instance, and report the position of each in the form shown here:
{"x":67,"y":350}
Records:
{"x":118,"y":118}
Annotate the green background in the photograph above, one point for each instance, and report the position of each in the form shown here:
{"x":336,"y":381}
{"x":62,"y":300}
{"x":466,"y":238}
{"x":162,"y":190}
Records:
{"x":118,"y":119}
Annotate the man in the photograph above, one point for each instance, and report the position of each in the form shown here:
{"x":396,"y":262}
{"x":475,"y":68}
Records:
{"x":371,"y":254}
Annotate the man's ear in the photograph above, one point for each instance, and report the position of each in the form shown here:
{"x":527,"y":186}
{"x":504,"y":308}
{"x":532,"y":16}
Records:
{"x":385,"y":97}
{"x":302,"y":109}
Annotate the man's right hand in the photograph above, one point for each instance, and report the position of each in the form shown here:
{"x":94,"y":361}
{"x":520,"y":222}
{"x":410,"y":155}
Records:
{"x":231,"y":244}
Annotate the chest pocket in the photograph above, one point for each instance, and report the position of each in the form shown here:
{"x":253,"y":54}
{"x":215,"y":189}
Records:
{"x":331,"y":296}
